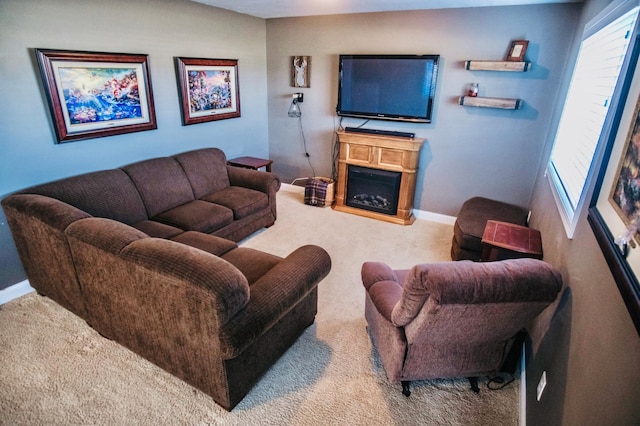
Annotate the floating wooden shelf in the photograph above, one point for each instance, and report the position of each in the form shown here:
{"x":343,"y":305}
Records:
{"x":501,"y":103}
{"x":476,"y":65}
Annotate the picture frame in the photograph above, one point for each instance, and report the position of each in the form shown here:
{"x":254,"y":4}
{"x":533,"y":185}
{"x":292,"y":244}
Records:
{"x":209,"y":89}
{"x":614,"y":211}
{"x":301,"y":71}
{"x":517,"y":50}
{"x":96,"y":94}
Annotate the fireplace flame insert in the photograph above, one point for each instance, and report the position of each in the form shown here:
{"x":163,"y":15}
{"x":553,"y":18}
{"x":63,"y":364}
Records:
{"x":373,"y":189}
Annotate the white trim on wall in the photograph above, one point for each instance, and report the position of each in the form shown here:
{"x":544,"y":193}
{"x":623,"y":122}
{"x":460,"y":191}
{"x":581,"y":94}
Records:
{"x":15,"y":291}
{"x":434,"y":217}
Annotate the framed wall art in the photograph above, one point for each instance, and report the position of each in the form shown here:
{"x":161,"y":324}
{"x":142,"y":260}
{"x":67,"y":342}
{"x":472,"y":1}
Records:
{"x":301,"y":71}
{"x":93,"y":94}
{"x":517,"y":50}
{"x":614,"y":212}
{"x":208,"y":89}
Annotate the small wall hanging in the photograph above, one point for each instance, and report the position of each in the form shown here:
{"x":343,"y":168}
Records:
{"x":301,"y":71}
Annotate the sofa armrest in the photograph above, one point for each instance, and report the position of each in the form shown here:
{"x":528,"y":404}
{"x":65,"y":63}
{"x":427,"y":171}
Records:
{"x":266,"y":182}
{"x":273,"y":295}
{"x":37,"y":224}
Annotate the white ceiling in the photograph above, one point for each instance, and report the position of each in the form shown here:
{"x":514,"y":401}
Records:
{"x":291,"y":8}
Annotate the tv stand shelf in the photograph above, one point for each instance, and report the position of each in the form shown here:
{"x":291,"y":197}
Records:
{"x":500,"y":103}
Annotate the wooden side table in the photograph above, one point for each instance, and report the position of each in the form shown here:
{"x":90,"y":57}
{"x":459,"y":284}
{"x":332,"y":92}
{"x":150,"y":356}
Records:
{"x":251,"y":163}
{"x":502,"y":240}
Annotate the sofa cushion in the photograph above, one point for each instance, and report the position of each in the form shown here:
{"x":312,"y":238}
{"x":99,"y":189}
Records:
{"x":252,"y":263}
{"x":157,"y":229}
{"x":243,"y":201}
{"x":196,"y":216}
{"x":107,"y":193}
{"x":206,"y":170}
{"x":162,"y":184}
{"x":206,"y":242}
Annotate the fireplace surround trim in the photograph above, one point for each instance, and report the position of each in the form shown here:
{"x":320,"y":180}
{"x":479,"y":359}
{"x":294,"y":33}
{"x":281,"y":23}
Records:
{"x":384,"y":153}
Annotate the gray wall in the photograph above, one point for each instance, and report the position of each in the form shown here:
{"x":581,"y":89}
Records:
{"x":469,"y":151}
{"x":163,"y":30}
{"x":592,"y":357}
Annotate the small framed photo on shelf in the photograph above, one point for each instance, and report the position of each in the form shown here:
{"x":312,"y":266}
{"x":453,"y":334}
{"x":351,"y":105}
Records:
{"x":517,"y":50}
{"x":209,"y":89}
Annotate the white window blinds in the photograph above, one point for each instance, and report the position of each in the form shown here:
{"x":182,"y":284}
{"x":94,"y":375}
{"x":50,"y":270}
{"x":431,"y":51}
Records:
{"x":581,"y":125}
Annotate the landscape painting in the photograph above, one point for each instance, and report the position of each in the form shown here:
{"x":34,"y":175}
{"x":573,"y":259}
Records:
{"x":625,"y":192}
{"x":209,"y":89}
{"x":97,"y":94}
{"x":94,"y":95}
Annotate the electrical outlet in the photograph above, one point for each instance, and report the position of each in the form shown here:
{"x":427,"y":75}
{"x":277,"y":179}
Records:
{"x":541,"y":385}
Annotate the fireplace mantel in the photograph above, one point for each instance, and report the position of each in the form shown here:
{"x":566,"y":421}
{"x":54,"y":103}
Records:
{"x":383,"y":153}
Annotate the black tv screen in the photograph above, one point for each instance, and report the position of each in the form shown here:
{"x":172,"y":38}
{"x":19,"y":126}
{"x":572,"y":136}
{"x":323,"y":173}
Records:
{"x":387,"y":87}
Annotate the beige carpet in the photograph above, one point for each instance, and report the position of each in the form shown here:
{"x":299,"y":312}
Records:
{"x":57,"y":370}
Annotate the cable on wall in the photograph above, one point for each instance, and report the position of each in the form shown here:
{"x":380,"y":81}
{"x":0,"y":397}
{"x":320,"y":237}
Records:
{"x":304,"y":145}
{"x":296,"y":112}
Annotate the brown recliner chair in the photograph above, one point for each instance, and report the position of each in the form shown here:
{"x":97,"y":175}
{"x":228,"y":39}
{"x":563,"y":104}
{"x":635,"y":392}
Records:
{"x":453,"y":319}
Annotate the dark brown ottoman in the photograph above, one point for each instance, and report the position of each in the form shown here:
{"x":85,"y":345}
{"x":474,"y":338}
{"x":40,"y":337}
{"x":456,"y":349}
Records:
{"x":470,"y":223}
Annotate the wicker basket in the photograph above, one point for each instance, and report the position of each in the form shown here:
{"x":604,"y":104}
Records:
{"x":329,"y":196}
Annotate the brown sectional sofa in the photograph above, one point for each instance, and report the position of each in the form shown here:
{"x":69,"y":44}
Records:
{"x":147,"y":255}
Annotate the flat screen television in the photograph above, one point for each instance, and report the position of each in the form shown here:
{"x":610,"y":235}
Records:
{"x":387,"y":87}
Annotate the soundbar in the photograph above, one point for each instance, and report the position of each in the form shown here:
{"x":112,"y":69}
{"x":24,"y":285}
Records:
{"x":380,"y":132}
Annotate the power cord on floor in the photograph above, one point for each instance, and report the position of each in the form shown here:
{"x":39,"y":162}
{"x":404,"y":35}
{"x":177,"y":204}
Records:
{"x":500,"y":382}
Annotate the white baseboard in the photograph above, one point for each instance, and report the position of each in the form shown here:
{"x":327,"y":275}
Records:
{"x":434,"y":217}
{"x":419,"y":214}
{"x":15,"y":291}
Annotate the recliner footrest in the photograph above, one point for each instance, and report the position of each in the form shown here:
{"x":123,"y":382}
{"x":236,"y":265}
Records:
{"x":469,"y":225}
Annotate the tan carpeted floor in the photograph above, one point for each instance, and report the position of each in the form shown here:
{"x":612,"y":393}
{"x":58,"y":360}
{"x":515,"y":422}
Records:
{"x":57,"y":370}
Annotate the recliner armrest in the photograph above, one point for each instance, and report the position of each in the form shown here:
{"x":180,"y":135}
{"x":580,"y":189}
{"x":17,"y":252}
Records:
{"x":385,"y":295}
{"x":372,"y":272}
{"x":383,"y":286}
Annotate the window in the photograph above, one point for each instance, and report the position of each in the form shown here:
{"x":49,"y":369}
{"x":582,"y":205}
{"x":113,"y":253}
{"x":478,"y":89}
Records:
{"x":587,"y":111}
